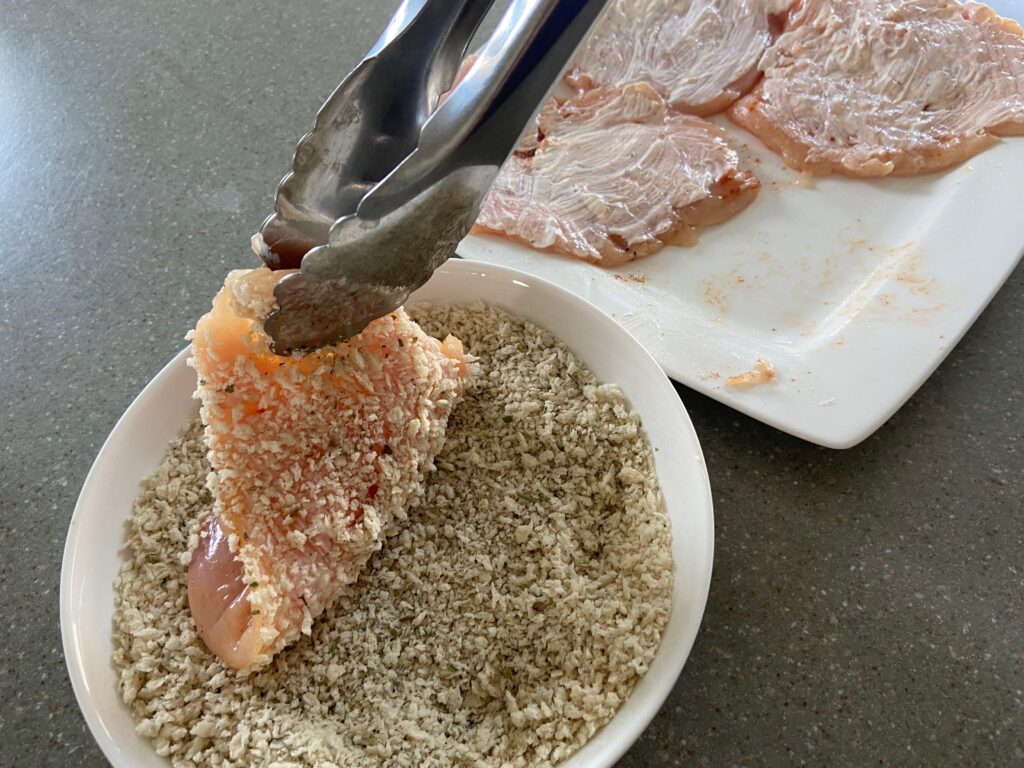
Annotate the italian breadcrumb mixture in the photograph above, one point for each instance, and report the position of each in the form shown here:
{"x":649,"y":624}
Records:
{"x":507,"y":621}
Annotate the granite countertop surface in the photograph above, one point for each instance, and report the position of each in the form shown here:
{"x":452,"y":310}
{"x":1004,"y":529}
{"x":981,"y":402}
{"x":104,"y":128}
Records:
{"x":866,"y":606}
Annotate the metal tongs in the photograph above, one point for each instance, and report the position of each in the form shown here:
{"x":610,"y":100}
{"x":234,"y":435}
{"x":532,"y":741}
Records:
{"x":388,"y":182}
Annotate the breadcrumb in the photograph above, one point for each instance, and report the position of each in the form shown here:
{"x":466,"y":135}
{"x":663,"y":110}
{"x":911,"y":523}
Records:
{"x":505,"y":623}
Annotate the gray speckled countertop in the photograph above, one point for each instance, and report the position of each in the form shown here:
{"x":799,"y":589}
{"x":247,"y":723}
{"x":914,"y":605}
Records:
{"x":866,"y":606}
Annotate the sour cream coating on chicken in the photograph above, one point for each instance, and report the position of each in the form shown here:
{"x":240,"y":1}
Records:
{"x":700,"y":55}
{"x":880,"y":87}
{"x":614,"y":175}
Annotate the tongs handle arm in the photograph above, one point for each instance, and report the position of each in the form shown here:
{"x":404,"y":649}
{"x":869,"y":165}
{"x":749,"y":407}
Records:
{"x":485,"y":114}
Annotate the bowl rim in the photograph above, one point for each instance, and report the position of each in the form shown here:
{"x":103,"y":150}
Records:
{"x":633,"y":715}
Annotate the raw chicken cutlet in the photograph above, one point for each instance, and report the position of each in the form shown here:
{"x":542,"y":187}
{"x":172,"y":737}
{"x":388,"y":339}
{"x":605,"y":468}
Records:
{"x":701,"y":55}
{"x":880,"y":87}
{"x":313,"y":457}
{"x":614,"y":175}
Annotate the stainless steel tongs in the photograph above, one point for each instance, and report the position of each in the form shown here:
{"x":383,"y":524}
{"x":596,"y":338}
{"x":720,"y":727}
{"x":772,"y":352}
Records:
{"x":387,"y":183}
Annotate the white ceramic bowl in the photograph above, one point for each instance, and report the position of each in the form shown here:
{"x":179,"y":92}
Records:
{"x":92,"y":555}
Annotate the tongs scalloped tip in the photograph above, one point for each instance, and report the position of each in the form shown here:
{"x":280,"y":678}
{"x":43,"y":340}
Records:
{"x":382,"y":144}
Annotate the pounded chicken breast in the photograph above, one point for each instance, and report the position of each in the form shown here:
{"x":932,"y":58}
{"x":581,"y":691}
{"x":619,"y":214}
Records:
{"x":880,"y":87}
{"x":701,"y":55}
{"x":614,"y":175}
{"x":314,"y":457}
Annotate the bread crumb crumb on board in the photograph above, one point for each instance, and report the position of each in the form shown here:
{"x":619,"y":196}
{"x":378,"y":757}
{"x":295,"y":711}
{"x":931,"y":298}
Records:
{"x":763,"y":372}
